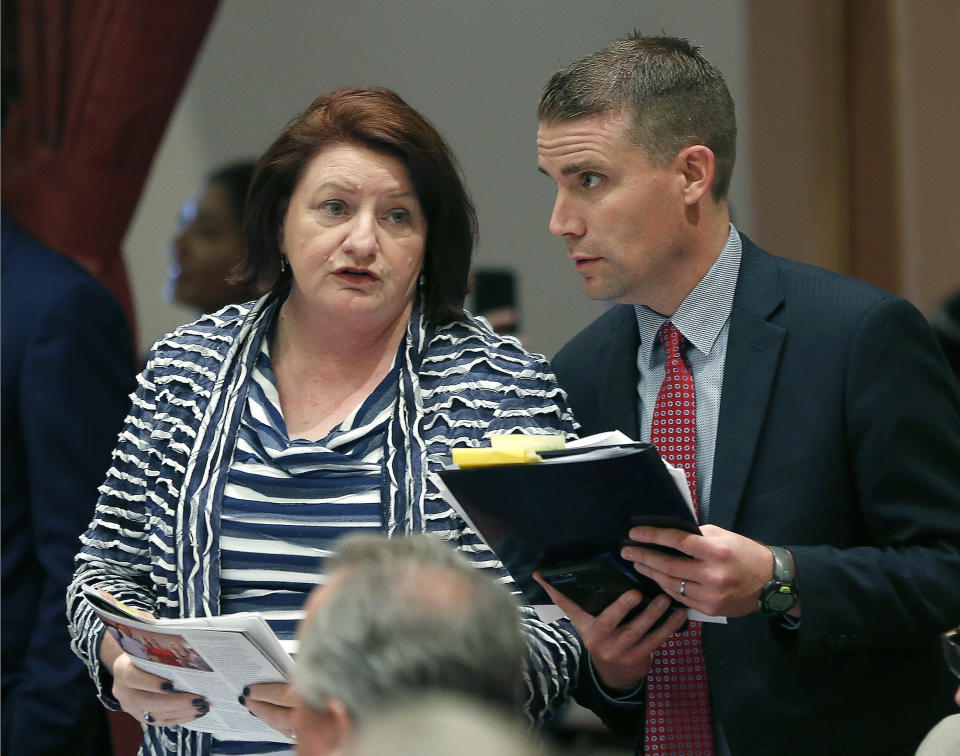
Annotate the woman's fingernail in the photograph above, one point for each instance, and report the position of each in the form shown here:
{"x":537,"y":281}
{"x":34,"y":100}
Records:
{"x":242,"y":700}
{"x":246,"y":690}
{"x":166,"y":687}
{"x":199,"y":703}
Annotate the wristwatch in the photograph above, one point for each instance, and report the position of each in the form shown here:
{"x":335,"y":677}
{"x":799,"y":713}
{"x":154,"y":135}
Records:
{"x":781,"y":593}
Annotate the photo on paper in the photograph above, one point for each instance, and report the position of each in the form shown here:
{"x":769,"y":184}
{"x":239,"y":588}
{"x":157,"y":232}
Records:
{"x":163,"y":648}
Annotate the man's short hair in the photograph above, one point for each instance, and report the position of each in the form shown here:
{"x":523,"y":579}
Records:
{"x":404,"y":616}
{"x":675,"y":98}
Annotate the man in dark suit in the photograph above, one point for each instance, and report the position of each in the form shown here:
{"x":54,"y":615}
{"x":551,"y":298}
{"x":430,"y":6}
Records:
{"x":826,"y":427}
{"x":67,"y":369}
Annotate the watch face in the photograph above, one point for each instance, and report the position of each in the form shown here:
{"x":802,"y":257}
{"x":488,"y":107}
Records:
{"x":780,"y":600}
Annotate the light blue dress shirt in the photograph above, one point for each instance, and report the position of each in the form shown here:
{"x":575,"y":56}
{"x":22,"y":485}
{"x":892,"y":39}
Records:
{"x":704,"y":320}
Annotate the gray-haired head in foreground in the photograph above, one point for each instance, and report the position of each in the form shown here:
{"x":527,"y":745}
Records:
{"x":675,"y":96}
{"x":404,"y":616}
{"x":443,"y":725}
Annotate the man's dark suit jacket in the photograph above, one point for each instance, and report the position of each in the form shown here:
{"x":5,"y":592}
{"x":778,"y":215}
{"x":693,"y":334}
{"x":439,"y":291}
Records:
{"x":839,"y":438}
{"x":67,"y":368}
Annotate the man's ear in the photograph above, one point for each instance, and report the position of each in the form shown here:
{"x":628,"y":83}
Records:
{"x":340,"y":716}
{"x":341,"y":725}
{"x":323,"y":732}
{"x":309,"y":607}
{"x":696,"y":164}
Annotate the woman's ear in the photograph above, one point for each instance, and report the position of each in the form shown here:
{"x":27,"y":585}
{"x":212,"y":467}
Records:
{"x":697,"y":165}
{"x":282,"y":215}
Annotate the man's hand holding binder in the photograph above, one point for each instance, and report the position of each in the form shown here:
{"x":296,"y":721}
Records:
{"x":621,"y":648}
{"x":558,"y":516}
{"x":566,"y":510}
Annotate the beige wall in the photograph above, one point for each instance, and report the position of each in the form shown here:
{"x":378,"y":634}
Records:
{"x":795,"y":72}
{"x":856,"y":151}
{"x":927,"y":82}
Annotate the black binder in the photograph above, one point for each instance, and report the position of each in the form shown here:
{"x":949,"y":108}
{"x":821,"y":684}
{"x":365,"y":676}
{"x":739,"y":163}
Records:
{"x":543,"y":516}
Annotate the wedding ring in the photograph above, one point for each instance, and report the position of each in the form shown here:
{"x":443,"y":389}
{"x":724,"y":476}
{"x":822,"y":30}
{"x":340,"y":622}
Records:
{"x":292,"y":734}
{"x":683,"y":587}
{"x":148,"y":717}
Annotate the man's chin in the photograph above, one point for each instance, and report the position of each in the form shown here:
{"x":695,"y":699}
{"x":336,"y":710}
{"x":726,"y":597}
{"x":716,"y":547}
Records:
{"x":595,"y":290}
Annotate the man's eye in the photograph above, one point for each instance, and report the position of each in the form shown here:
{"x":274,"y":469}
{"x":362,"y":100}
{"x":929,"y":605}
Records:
{"x":398,"y":215}
{"x":589,"y":180}
{"x":334,"y":207}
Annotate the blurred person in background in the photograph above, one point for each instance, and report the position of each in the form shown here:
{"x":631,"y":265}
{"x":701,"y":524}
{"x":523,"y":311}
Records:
{"x":946,"y":325}
{"x":944,"y":738}
{"x":493,"y":292}
{"x":209,"y":246}
{"x":67,"y":359}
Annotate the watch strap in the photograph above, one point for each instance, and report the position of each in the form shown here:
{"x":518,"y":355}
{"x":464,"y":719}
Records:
{"x":782,"y":565}
{"x":781,"y":585}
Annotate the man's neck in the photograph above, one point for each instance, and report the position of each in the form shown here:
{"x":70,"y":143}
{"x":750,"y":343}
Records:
{"x":708,"y":235}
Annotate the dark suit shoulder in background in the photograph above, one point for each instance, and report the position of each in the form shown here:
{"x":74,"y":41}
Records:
{"x":67,"y":370}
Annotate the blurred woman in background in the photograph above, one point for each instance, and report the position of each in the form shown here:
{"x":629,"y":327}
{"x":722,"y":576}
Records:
{"x":209,"y":243}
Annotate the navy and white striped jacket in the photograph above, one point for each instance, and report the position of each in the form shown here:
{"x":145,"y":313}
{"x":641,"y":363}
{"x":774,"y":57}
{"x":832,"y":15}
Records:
{"x":153,"y":542}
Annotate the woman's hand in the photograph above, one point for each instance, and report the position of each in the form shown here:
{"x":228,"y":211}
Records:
{"x":152,"y":699}
{"x":273,"y":703}
{"x":144,"y":696}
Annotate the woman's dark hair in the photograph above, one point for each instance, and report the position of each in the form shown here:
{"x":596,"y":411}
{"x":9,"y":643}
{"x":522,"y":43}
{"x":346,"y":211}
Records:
{"x":379,"y":120}
{"x":235,"y":178}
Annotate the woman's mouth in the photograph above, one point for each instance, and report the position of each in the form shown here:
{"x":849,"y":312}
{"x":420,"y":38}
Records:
{"x":356,"y":275}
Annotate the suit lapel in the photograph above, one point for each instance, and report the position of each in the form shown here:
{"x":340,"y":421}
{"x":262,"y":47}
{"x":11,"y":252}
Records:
{"x":753,"y":353}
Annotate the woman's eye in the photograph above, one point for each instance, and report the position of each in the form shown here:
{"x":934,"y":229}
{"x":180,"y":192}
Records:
{"x":398,"y":215}
{"x":334,"y":207}
{"x":589,"y":180}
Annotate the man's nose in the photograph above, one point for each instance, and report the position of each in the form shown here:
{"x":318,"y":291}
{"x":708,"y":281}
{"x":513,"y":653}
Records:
{"x":564,"y":221}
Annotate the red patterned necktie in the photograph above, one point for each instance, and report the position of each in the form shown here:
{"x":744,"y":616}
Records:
{"x":678,"y":701}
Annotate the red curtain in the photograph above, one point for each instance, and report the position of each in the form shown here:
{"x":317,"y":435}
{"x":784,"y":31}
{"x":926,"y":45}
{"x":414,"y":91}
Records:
{"x":98,"y":82}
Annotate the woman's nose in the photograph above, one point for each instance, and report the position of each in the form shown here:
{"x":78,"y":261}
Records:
{"x":362,"y":238}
